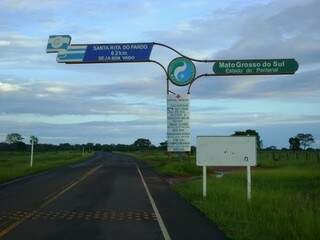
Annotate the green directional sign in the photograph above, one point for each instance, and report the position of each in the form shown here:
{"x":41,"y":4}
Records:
{"x":255,"y":67}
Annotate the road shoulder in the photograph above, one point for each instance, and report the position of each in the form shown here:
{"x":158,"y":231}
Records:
{"x":182,"y":220}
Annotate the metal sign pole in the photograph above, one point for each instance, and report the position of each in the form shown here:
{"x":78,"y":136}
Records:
{"x":31,"y":159}
{"x":204,"y":187}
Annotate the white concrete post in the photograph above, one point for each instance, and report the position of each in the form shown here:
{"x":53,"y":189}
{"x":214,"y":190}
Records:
{"x":204,"y":181}
{"x":248,"y":182}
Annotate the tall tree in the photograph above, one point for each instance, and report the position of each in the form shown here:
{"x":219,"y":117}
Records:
{"x":250,"y":132}
{"x":163,"y":145}
{"x":142,"y":143}
{"x":14,"y":138}
{"x":90,"y":146}
{"x":34,"y":139}
{"x":306,"y":139}
{"x":294,"y":143}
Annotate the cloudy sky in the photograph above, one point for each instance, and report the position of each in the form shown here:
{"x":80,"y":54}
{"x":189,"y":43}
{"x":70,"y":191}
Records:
{"x":118,"y":103}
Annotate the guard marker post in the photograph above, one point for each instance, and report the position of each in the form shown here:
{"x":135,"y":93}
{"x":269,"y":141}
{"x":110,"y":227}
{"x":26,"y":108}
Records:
{"x":31,"y":159}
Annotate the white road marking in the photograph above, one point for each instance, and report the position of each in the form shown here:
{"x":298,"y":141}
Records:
{"x":155,"y":209}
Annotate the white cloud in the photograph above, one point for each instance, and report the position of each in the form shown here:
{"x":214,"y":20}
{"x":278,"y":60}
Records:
{"x":8,"y":87}
{"x":4,"y":43}
{"x":30,"y":5}
{"x":316,"y":143}
{"x":15,"y":40}
{"x":55,"y":89}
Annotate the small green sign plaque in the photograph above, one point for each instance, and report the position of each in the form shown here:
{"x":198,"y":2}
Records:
{"x":181,"y":71}
{"x":255,"y":67}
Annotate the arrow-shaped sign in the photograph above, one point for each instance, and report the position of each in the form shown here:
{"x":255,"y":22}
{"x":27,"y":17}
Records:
{"x":255,"y":67}
{"x":97,"y":53}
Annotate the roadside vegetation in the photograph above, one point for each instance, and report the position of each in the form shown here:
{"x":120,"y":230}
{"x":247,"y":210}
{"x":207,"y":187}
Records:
{"x":285,"y":193}
{"x":169,"y":165}
{"x":15,"y":154}
{"x":15,"y":164}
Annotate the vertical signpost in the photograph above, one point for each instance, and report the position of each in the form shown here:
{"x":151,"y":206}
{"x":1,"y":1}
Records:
{"x":181,"y":71}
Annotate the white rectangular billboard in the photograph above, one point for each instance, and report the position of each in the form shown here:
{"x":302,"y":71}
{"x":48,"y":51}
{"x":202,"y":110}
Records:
{"x":226,"y":151}
{"x":178,"y":123}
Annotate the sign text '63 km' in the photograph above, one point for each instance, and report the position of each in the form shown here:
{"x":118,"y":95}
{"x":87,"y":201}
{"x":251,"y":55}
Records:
{"x":255,"y":67}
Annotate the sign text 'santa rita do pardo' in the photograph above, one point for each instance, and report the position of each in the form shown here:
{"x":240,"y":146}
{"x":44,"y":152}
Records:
{"x":181,"y":71}
{"x":98,"y":53}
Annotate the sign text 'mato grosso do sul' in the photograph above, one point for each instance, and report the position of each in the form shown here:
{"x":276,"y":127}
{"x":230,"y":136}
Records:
{"x":178,"y":123}
{"x":255,"y":67}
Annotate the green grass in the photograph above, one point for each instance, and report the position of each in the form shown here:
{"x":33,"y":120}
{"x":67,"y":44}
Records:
{"x":169,"y":165}
{"x":17,"y":164}
{"x":285,"y":200}
{"x":284,"y":205}
{"x":175,"y":165}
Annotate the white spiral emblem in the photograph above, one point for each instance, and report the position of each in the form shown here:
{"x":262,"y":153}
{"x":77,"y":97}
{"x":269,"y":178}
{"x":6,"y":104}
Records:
{"x":179,"y":70}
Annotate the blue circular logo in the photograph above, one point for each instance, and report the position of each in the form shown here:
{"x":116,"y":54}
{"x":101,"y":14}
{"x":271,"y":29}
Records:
{"x":181,"y":71}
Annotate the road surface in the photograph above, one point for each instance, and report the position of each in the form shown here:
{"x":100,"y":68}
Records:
{"x":109,"y":196}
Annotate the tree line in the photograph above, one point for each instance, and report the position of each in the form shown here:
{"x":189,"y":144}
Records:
{"x":14,"y":142}
{"x":298,"y":142}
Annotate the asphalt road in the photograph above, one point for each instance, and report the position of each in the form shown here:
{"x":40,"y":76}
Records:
{"x":107,"y":197}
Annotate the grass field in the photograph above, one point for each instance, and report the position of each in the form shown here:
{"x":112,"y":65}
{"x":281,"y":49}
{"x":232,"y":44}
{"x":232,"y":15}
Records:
{"x":285,"y":200}
{"x":17,"y":164}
